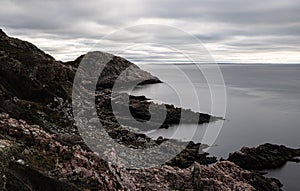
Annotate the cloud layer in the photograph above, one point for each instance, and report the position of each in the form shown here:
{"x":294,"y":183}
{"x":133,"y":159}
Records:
{"x":232,"y":30}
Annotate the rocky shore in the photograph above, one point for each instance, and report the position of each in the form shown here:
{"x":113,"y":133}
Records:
{"x":41,"y":148}
{"x":266,"y":156}
{"x":53,"y":165}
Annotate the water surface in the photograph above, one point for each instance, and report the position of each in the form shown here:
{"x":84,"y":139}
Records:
{"x":263,"y":105}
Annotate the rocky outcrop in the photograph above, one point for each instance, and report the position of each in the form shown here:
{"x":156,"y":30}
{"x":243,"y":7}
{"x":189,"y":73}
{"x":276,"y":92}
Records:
{"x":190,"y":154}
{"x":266,"y":156}
{"x":140,"y":109}
{"x":115,"y":68}
{"x":220,"y":176}
{"x":44,"y":155}
{"x":34,"y":86}
{"x":119,"y":126}
{"x":37,"y":88}
{"x":139,"y":112}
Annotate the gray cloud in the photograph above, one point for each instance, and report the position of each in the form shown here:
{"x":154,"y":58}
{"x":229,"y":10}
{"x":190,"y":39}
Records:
{"x":228,"y":28}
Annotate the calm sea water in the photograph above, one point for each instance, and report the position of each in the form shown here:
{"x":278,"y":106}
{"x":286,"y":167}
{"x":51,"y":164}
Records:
{"x":263,"y":105}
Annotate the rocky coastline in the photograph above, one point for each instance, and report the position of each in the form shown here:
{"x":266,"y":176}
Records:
{"x":41,"y":148}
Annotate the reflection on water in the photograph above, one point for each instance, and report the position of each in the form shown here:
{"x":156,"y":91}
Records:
{"x":263,"y":105}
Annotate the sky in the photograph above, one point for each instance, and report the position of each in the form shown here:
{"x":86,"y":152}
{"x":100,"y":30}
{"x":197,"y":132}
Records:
{"x":230,"y":31}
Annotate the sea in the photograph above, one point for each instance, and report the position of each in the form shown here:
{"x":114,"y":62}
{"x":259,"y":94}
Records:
{"x":260,"y":103}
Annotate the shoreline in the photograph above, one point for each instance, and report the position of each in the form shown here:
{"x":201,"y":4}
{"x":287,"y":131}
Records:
{"x":38,"y":134}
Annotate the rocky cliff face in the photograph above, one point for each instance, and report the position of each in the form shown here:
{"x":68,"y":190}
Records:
{"x":40,"y":148}
{"x":34,"y":86}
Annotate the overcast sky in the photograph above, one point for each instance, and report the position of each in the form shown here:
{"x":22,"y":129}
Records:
{"x":231,"y":30}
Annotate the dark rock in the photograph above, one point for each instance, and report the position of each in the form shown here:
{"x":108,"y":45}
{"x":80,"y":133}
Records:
{"x":266,"y":156}
{"x":113,"y":69}
{"x":192,"y":153}
{"x":139,"y":109}
{"x":2,"y":33}
{"x":223,"y":175}
{"x":30,"y":81}
{"x":21,"y":177}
